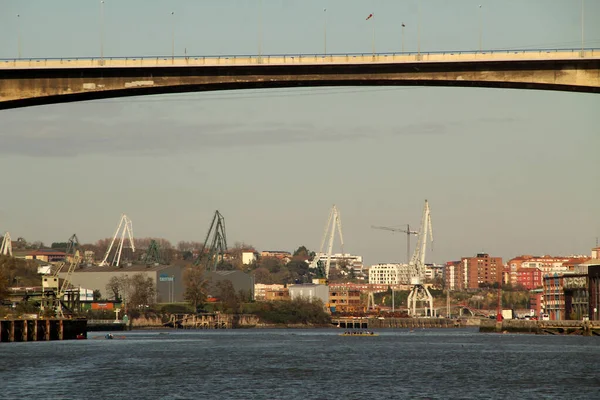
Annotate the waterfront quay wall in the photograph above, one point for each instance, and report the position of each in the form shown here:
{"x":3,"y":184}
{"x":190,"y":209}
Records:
{"x":411,"y":323}
{"x":26,"y":330}
{"x":106,"y":325}
{"x":196,"y":321}
{"x":585,"y":328}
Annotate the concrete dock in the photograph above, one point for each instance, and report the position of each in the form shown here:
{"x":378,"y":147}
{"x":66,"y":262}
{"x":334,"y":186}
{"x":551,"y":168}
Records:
{"x":42,"y":329}
{"x":375,"y":322}
{"x":584,"y":328}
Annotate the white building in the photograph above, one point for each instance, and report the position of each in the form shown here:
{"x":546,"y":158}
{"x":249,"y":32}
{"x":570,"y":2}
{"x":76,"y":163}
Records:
{"x":248,"y":257}
{"x":547,"y":267}
{"x":399,"y":274}
{"x":355,"y":262}
{"x":433,"y":271}
{"x":385,"y":274}
{"x":84,"y":294}
{"x":44,"y":269}
{"x":309,"y":291}
{"x":260,"y":289}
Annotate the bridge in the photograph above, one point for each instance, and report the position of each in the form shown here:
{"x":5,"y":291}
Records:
{"x":29,"y":82}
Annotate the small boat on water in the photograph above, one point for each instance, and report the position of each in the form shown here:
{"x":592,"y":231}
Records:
{"x":353,"y":333}
{"x":81,"y":336}
{"x":109,"y":336}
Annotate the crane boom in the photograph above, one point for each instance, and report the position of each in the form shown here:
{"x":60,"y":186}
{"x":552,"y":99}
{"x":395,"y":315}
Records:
{"x":334,"y":222}
{"x":408,"y":234}
{"x":6,"y":247}
{"x":126,"y":228}
{"x":417,"y":261}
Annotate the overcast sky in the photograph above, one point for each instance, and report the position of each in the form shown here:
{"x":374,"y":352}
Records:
{"x":506,"y":172}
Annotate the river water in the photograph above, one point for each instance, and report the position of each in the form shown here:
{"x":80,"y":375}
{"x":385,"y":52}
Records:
{"x":303,"y":364}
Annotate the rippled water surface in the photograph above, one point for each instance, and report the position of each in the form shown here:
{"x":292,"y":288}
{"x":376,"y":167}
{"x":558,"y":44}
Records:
{"x":303,"y":364}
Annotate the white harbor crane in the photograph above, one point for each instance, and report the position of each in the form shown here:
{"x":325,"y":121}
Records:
{"x":125,"y":228}
{"x":419,"y":292}
{"x":6,"y":248}
{"x":333,"y":222}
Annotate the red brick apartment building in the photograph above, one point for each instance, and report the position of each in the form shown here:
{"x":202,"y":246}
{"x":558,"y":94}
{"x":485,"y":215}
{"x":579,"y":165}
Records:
{"x":482,"y":269}
{"x":469,"y":272}
{"x":454,"y":275}
{"x":529,"y":278}
{"x":594,"y":285}
{"x":547,"y":265}
{"x":536,"y":301}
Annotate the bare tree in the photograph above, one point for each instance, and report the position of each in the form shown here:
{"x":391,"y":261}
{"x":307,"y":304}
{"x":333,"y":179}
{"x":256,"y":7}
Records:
{"x":195,"y":286}
{"x":262,"y":275}
{"x":227,"y":295}
{"x":114,"y":286}
{"x":4,"y":279}
{"x":142,"y":291}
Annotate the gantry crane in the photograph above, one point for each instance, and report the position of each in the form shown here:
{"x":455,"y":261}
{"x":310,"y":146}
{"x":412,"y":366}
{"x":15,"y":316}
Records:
{"x":419,"y":292}
{"x":125,"y":227}
{"x":53,"y":293}
{"x":408,"y":235}
{"x":334,"y":222}
{"x":6,"y":247}
{"x":213,"y":250}
{"x":153,"y":254}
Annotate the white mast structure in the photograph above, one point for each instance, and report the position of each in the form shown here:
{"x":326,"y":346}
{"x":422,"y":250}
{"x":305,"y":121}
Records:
{"x":419,"y":292}
{"x":6,"y":248}
{"x":125,"y":227}
{"x":333,"y":222}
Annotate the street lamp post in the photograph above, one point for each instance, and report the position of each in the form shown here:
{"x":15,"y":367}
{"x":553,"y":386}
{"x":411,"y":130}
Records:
{"x":403,"y":26}
{"x":19,"y":36}
{"x":480,"y":28}
{"x":419,"y":28}
{"x":172,"y":36}
{"x":260,"y":29}
{"x":102,"y":31}
{"x":325,"y":32}
{"x":582,"y":25}
{"x":373,"y":40}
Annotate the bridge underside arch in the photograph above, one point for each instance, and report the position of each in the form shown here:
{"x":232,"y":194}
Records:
{"x":29,"y":87}
{"x":174,"y":89}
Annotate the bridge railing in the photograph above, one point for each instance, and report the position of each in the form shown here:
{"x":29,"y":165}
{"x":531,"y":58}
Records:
{"x":284,"y":59}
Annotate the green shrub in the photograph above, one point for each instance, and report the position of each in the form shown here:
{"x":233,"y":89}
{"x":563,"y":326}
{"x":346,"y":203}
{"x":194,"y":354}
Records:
{"x":297,"y":311}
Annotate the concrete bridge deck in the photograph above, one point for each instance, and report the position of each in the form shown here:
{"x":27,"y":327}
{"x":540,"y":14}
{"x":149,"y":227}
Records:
{"x":28,"y":82}
{"x":301,"y":59}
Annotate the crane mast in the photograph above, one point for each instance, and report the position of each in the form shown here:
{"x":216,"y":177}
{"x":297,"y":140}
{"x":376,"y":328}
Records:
{"x":213,"y":250}
{"x":419,"y":292}
{"x":6,"y":248}
{"x":126,"y":229}
{"x":334,"y":222}
{"x":53,"y":294}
